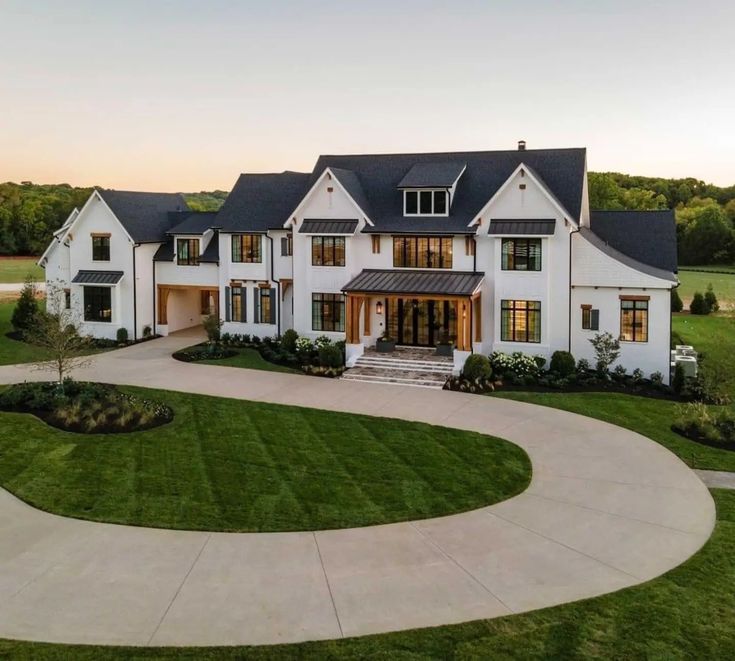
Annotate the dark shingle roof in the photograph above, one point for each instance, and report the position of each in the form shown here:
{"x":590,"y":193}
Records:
{"x":351,"y":184}
{"x":326,"y":226}
{"x":561,"y":170}
{"x":145,"y":216}
{"x":196,"y":222}
{"x":648,"y":237}
{"x":260,"y":202}
{"x":211,"y":252}
{"x":432,"y":175}
{"x":97,"y":277}
{"x":519,"y":227}
{"x":165,"y":252}
{"x":447,"y":283}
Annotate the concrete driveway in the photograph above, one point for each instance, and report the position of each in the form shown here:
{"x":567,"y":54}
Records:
{"x":606,"y":509}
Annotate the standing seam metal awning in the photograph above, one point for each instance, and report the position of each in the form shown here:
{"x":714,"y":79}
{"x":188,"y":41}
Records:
{"x":317,"y":226}
{"x":520,"y":227}
{"x":97,"y":277}
{"x":448,"y":283}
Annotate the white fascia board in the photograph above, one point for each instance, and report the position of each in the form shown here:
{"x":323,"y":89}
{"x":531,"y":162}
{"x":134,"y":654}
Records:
{"x":542,"y":187}
{"x":58,"y":236}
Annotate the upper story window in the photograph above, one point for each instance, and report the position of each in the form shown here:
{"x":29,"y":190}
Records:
{"x":521,"y":255}
{"x":422,"y":252}
{"x":246,"y":248}
{"x":101,"y":247}
{"x":287,"y":245}
{"x":187,"y":252}
{"x":425,"y":203}
{"x":328,"y":251}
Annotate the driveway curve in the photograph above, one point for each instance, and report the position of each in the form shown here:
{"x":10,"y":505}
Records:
{"x":606,"y":509}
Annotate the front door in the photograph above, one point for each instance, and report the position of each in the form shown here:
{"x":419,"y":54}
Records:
{"x":420,"y":322}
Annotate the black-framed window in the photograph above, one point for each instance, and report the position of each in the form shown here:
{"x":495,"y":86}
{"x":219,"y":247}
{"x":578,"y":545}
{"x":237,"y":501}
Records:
{"x":521,"y":255}
{"x":328,"y":312}
{"x":247,"y":248}
{"x":423,"y":252}
{"x":426,"y":202}
{"x":287,"y":245}
{"x":98,"y":304}
{"x":101,"y":248}
{"x":520,"y":321}
{"x":265,"y":311}
{"x":187,"y":252}
{"x":633,"y":320}
{"x":237,"y":304}
{"x":328,"y":251}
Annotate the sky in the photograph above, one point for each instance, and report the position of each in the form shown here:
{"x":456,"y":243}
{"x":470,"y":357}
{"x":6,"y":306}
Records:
{"x":184,"y":95}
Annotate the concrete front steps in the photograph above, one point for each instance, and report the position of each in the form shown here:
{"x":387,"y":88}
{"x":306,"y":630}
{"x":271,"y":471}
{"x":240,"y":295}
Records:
{"x":409,"y":367}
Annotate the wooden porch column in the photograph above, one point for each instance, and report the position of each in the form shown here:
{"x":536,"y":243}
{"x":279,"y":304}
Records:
{"x":477,"y":315}
{"x":353,"y":304}
{"x":367,"y":316}
{"x":460,"y":324}
{"x":466,"y":312}
{"x":163,"y":293}
{"x":348,"y":319}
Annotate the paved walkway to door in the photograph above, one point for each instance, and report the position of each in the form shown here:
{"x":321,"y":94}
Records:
{"x":606,"y":509}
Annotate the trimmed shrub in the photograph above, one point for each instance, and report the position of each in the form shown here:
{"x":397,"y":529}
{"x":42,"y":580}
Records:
{"x":288,"y":341}
{"x":477,"y":367}
{"x":698,"y":304}
{"x":330,"y":355}
{"x":676,"y":303}
{"x":122,"y":335}
{"x":147,"y":332}
{"x":710,"y":300}
{"x":679,"y":380}
{"x":562,"y":363}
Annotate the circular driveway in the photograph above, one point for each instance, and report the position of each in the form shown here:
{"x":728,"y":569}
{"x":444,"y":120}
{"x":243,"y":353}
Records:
{"x":606,"y":509}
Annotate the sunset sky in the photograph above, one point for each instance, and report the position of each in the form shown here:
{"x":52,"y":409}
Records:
{"x":183,"y":95}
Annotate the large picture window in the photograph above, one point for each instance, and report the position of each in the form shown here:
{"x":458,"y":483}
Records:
{"x":187,"y":252}
{"x":246,"y":248}
{"x":520,"y":321}
{"x":634,"y":320}
{"x":422,"y":252}
{"x":100,"y":248}
{"x":328,"y":251}
{"x":328,"y":312}
{"x":98,"y":304}
{"x":521,"y":255}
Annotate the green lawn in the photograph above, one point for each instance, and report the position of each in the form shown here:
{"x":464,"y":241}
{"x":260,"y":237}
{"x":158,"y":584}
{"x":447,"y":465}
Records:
{"x":713,"y":336}
{"x":723,"y":284}
{"x":686,"y":614}
{"x":13,"y":351}
{"x":231,"y":465}
{"x":250,"y":359}
{"x":16,"y":269}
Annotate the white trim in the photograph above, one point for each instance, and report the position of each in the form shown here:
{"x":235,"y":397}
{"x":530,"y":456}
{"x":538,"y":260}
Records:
{"x":291,"y":222}
{"x":57,"y":236}
{"x":529,"y":173}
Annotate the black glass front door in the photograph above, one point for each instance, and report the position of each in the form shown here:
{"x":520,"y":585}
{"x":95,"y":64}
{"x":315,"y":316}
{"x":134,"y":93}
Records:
{"x":420,"y":322}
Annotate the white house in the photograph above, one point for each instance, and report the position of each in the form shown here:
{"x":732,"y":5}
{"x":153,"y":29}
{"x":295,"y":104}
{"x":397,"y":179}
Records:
{"x":496,"y":250}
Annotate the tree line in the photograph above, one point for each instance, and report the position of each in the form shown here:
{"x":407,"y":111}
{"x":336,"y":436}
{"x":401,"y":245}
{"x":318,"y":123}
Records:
{"x":30,"y":213}
{"x":705,"y":214}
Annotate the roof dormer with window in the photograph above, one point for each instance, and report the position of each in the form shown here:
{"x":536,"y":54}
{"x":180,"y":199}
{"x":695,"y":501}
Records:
{"x":428,"y":188}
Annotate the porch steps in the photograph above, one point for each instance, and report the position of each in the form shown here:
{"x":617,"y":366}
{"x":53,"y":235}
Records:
{"x":402,"y":368}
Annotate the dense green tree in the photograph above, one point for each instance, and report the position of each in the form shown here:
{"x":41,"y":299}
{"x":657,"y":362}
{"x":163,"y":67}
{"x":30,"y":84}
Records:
{"x":25,"y":312}
{"x":706,"y":236}
{"x":676,"y":303}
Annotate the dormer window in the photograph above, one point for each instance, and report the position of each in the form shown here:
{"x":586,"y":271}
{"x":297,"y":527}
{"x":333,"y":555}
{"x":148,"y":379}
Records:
{"x":425,"y":202}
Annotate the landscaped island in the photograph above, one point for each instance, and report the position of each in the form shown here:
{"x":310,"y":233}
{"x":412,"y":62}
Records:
{"x":231,"y":465}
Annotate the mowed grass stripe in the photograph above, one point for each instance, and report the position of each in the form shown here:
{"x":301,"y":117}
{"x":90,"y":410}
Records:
{"x":244,"y":466}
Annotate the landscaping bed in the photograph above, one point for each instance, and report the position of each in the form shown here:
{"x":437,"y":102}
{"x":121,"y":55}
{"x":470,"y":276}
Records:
{"x":85,"y":408}
{"x":712,"y":426}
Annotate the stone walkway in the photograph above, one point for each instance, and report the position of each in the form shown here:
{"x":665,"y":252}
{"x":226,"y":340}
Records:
{"x":606,"y":509}
{"x":717,"y":479}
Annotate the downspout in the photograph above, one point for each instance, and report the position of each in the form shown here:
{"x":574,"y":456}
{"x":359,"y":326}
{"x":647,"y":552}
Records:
{"x":135,"y":298}
{"x":278,"y":285}
{"x":155,"y":307}
{"x":569,"y":328}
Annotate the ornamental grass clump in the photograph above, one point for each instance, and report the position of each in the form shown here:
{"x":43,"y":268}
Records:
{"x":706,"y":424}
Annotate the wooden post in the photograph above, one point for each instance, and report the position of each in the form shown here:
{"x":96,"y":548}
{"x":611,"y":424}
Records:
{"x":367,"y":316}
{"x":467,"y":325}
{"x":163,"y":293}
{"x":477,"y":314}
{"x":460,"y":324}
{"x":348,"y":319}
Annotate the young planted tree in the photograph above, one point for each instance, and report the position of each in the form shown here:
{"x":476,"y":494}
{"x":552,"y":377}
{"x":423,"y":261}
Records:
{"x":213,"y":327}
{"x":677,"y":304}
{"x":607,"y":351}
{"x":698,"y":304}
{"x":710,"y":299}
{"x":57,"y":332}
{"x":26,"y":309}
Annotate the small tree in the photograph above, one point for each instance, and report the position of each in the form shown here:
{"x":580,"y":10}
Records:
{"x":213,"y":327}
{"x":59,"y":335}
{"x":710,"y":299}
{"x":607,"y":350}
{"x":676,"y":303}
{"x":698,"y":304}
{"x":26,"y":309}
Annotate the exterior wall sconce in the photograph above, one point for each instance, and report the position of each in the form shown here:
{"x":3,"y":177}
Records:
{"x":379,"y":307}
{"x":464,"y":311}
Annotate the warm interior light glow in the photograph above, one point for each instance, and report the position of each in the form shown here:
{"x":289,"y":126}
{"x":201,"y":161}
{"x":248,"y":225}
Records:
{"x":379,"y":307}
